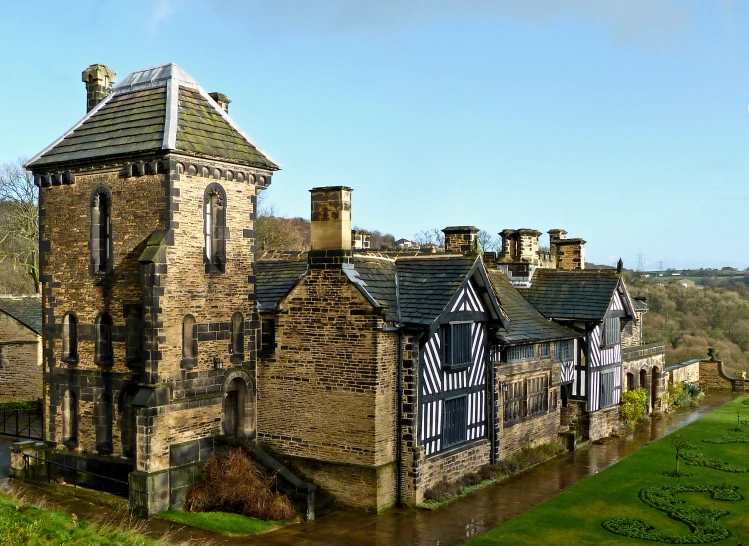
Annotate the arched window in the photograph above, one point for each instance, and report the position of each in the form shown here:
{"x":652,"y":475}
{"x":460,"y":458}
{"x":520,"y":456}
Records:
{"x":189,"y":342}
{"x":69,"y":338}
{"x":103,"y":423}
{"x":103,"y":355}
{"x":214,"y":221}
{"x":237,"y":337}
{"x":69,"y":418}
{"x":101,"y":230}
{"x":134,"y":336}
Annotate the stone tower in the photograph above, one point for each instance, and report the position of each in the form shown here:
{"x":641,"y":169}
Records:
{"x":147,"y":210}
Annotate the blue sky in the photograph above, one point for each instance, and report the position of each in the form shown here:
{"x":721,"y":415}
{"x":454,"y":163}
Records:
{"x":623,"y":122}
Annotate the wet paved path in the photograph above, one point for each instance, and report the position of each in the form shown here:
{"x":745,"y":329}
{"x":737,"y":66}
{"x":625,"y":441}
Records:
{"x":452,"y":524}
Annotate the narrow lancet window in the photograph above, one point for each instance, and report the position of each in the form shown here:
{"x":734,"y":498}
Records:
{"x":69,"y":418}
{"x":69,"y":338}
{"x":101,"y":230}
{"x":237,"y":337}
{"x":215,"y":228}
{"x":104,"y":355}
{"x":189,"y":342}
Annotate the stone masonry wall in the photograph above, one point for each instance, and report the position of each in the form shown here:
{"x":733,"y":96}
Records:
{"x":685,"y":372}
{"x":20,"y":361}
{"x":712,"y":376}
{"x":452,"y":465}
{"x":68,"y":286}
{"x":604,"y":423}
{"x":333,"y":370}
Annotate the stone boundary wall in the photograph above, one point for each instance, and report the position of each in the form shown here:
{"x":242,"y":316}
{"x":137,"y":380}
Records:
{"x":686,"y":371}
{"x":604,"y":423}
{"x":712,"y":376}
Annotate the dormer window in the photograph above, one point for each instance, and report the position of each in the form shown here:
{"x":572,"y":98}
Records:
{"x":457,"y":343}
{"x":101,"y":230}
{"x":214,"y":217}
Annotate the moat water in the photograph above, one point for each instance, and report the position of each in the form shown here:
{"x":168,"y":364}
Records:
{"x":456,"y":522}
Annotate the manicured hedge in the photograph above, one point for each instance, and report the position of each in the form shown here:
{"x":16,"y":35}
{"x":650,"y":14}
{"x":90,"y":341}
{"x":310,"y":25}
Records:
{"x":703,"y":522}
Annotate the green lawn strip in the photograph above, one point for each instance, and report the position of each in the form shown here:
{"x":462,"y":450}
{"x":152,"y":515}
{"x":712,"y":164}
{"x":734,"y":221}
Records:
{"x":577,"y":514}
{"x":26,"y":524}
{"x":221,"y":522}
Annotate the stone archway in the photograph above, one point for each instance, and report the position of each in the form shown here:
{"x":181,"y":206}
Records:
{"x":630,"y":381}
{"x":655,"y":379}
{"x":238,"y":417}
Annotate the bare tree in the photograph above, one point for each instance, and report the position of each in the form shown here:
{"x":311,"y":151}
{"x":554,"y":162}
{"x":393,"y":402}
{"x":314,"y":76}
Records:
{"x":432,"y":236}
{"x":273,"y":232}
{"x":19,"y":220}
{"x":679,"y":443}
{"x":488,"y":242}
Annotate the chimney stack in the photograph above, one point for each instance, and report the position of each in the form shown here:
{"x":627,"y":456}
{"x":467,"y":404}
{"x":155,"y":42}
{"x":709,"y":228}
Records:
{"x":222,"y":100}
{"x":98,"y":79}
{"x":555,"y":235}
{"x":331,"y":228}
{"x":460,"y":239}
{"x":527,"y":244}
{"x":508,"y":244}
{"x":569,"y":253}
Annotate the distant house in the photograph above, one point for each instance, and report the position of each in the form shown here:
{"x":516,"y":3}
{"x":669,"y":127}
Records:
{"x":405,"y":244}
{"x":20,"y":348}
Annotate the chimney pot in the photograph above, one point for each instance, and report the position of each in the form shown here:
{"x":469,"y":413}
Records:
{"x":99,"y":79}
{"x":222,"y":100}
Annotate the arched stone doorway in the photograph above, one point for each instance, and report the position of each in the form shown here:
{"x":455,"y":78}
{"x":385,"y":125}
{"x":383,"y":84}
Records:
{"x":654,"y":388}
{"x":630,"y":381}
{"x":239,"y":405}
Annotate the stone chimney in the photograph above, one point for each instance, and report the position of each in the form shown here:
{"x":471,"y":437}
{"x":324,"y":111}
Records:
{"x":330,"y":228}
{"x":508,"y":244}
{"x":98,"y":79}
{"x":460,"y":239}
{"x":527,"y":245}
{"x":569,"y":253}
{"x":222,"y":100}
{"x":555,"y":235}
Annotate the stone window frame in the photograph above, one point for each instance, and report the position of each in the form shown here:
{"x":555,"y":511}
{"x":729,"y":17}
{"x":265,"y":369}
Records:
{"x":98,"y":249}
{"x":102,"y":422}
{"x":545,"y":349}
{"x":237,"y":337}
{"x":103,"y":351}
{"x":4,"y":361}
{"x":513,"y":401}
{"x":537,"y":395}
{"x":134,"y":335}
{"x":189,"y":341}
{"x":70,"y":338}
{"x":128,"y":420}
{"x":215,"y":232}
{"x":69,"y":403}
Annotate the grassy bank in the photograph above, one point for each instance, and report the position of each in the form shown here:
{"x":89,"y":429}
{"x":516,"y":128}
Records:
{"x":635,"y":498}
{"x":29,"y":525}
{"x":221,"y":522}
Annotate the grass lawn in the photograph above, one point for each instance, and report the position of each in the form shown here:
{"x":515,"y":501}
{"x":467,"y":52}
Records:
{"x":576,"y":515}
{"x":32,"y":526}
{"x":221,"y":522}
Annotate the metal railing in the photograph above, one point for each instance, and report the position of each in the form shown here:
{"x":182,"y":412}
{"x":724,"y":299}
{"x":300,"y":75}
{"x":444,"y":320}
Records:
{"x":24,"y":423}
{"x":121,"y":487}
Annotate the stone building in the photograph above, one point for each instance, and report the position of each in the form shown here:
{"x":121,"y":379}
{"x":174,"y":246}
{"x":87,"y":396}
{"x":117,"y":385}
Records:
{"x":21,"y":368}
{"x":373,"y":375}
{"x":147,"y":209}
{"x":534,"y":362}
{"x":596,"y":304}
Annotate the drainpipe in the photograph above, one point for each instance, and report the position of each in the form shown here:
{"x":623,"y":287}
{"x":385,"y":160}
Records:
{"x":492,"y":398}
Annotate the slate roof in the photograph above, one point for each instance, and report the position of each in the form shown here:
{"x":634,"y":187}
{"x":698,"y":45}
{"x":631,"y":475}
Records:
{"x":581,"y":294}
{"x":423,"y":287}
{"x":157,"y":109}
{"x":25,"y":309}
{"x":526,"y":324}
{"x":427,"y":285}
{"x":275,"y":279}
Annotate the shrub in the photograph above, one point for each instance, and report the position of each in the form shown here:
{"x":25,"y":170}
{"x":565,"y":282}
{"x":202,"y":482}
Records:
{"x":634,"y":404}
{"x":235,"y":484}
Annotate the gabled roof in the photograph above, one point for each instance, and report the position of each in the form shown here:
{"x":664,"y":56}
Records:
{"x":157,"y":109}
{"x":580,"y":294}
{"x":526,"y":324}
{"x":25,"y":309}
{"x":412,"y":290}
